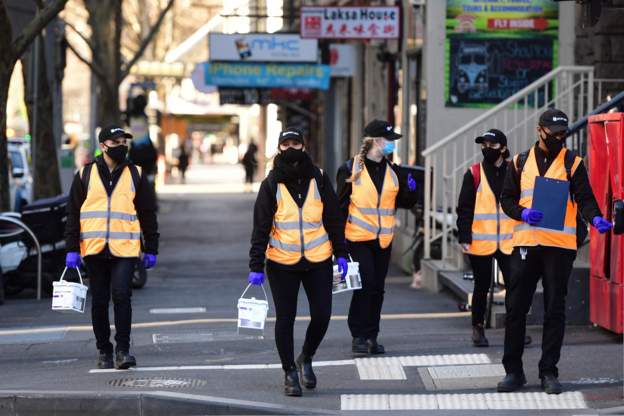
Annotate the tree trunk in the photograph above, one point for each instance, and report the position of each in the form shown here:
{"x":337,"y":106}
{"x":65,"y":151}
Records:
{"x":5,"y":78}
{"x":46,"y":170}
{"x":105,"y":20}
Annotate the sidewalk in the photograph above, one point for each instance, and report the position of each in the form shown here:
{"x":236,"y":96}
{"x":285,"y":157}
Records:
{"x":191,"y":354}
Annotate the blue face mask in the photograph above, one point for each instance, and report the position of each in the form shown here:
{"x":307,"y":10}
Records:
{"x":388,"y":148}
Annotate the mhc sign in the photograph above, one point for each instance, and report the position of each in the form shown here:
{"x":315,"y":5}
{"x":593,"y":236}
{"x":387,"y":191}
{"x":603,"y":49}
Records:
{"x":262,"y":47}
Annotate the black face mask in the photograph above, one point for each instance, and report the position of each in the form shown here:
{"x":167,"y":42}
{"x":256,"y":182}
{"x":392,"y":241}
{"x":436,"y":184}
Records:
{"x":491,"y":155}
{"x":292,"y":155}
{"x":553,"y":144}
{"x":117,"y":153}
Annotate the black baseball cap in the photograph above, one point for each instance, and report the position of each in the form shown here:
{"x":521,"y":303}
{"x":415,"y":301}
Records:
{"x":493,"y":136}
{"x":380,"y":128}
{"x":554,"y":120}
{"x":113,"y":132}
{"x":291,"y":133}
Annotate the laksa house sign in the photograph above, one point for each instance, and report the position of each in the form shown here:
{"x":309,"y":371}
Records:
{"x":350,"y":22}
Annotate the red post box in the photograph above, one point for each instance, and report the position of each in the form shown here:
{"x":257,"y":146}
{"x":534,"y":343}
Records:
{"x":606,"y":174}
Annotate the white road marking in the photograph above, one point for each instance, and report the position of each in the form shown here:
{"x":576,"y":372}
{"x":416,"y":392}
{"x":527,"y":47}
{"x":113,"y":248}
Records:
{"x":384,"y":368}
{"x":157,"y":311}
{"x":70,"y":360}
{"x":156,"y":324}
{"x":485,"y":401}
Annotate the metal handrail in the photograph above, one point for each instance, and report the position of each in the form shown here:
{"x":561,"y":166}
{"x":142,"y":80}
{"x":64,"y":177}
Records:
{"x":20,"y":224}
{"x":618,"y":99}
{"x":570,"y":88}
{"x":503,"y":105}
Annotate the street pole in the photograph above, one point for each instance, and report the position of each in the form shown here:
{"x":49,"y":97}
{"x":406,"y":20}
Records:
{"x":33,"y":138}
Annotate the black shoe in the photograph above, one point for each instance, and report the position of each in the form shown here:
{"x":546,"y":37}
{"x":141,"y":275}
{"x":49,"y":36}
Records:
{"x":306,"y":374}
{"x":291,"y":383}
{"x":105,"y":360}
{"x":551,"y":385}
{"x":374,"y":348}
{"x":528,"y":340}
{"x":123,"y":360}
{"x":359,"y":346}
{"x":478,"y":336}
{"x":511,"y":382}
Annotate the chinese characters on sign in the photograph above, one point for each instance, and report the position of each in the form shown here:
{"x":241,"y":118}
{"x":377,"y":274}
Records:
{"x":350,"y":22}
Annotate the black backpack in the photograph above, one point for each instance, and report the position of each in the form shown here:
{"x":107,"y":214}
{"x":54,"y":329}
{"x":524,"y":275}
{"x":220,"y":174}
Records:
{"x":86,"y":176}
{"x":570,"y":157}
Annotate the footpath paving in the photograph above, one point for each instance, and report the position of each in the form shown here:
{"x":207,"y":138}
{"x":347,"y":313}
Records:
{"x":192,"y":361}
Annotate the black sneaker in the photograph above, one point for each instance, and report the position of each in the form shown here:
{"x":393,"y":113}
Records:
{"x":374,"y":348}
{"x":511,"y":382}
{"x":551,"y":384}
{"x":105,"y":360}
{"x":359,"y":346}
{"x":306,"y":374}
{"x":123,"y":360}
{"x":291,"y":383}
{"x":478,"y":336}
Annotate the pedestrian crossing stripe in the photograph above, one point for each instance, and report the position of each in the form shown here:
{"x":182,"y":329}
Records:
{"x":478,"y":401}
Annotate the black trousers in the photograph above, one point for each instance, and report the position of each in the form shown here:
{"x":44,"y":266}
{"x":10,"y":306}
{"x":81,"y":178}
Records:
{"x":482,"y":270}
{"x":317,"y":284}
{"x":366,"y":303}
{"x":554,"y":266}
{"x":106,"y":276}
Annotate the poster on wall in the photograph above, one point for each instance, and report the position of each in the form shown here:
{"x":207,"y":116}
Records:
{"x":495,"y":48}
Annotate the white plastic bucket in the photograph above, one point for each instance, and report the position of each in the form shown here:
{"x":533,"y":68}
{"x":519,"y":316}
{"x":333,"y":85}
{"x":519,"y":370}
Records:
{"x":69,"y":296}
{"x":352,"y":281}
{"x":252,"y":314}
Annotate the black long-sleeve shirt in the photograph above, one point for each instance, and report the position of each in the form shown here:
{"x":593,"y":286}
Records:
{"x":580,"y":188}
{"x":144,"y":203}
{"x":264,"y":211}
{"x":377,"y":171}
{"x":467,"y":196}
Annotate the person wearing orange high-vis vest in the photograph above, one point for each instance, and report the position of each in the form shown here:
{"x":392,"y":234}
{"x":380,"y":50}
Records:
{"x":297,"y":227}
{"x":110,"y":205}
{"x":370,"y":189}
{"x":540,"y":252}
{"x":484,"y":230}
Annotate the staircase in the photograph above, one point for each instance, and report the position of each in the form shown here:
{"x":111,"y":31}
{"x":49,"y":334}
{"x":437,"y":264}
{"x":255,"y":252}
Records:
{"x":569,"y":88}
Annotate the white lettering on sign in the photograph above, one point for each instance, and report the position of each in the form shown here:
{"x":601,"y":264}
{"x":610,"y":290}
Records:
{"x":350,"y":22}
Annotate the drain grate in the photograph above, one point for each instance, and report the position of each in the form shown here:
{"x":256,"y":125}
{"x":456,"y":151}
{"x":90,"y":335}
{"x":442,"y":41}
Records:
{"x":157,"y":383}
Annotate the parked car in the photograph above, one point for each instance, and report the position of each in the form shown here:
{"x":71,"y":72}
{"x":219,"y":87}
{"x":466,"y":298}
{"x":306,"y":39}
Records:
{"x":21,"y":176}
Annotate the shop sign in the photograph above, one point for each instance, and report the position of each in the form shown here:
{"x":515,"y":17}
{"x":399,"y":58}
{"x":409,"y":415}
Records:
{"x":246,"y":75}
{"x":262,"y":47}
{"x":350,"y":22}
{"x":342,"y":60}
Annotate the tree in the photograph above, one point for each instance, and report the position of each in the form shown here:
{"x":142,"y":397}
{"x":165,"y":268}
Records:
{"x":12,"y":49}
{"x":46,"y":170}
{"x":106,"y":63}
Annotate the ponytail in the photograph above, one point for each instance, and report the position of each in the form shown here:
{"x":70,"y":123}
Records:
{"x":367,"y":144}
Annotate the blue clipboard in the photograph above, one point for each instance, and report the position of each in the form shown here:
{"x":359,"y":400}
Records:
{"x":551,"y":197}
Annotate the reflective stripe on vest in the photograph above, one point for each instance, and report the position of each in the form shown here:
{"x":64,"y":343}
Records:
{"x":298,"y":232}
{"x":371,"y":213}
{"x":111,"y":221}
{"x":492,"y":229}
{"x":527,"y":235}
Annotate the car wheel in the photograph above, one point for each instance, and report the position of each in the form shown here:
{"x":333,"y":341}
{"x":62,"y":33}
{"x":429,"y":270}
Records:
{"x":140,"y":275}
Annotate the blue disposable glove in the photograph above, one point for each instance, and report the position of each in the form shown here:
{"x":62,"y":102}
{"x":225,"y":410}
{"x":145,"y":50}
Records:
{"x":343,"y":266}
{"x":532,"y":216}
{"x":411,"y":182}
{"x":255,"y":278}
{"x":601,"y":224}
{"x":149,"y":260}
{"x":72,"y":260}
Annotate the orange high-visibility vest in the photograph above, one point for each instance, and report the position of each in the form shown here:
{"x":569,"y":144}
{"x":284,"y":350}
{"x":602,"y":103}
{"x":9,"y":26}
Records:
{"x":527,"y":235}
{"x":492,"y":229}
{"x":298,"y":232}
{"x":111,"y":221}
{"x":371,"y":213}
